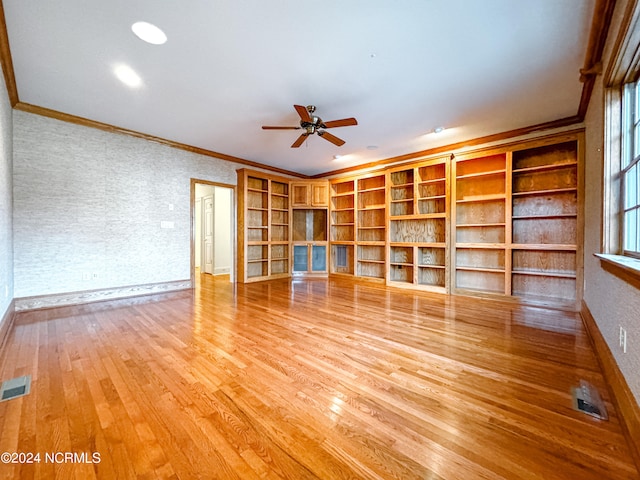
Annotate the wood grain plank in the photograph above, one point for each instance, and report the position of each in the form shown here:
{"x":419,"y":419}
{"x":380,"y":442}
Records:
{"x":310,"y":379}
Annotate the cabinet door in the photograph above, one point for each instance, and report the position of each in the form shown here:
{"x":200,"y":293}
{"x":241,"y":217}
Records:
{"x":319,"y":258}
{"x":300,"y":193}
{"x":300,"y":258}
{"x":310,"y":258}
{"x":319,"y":195}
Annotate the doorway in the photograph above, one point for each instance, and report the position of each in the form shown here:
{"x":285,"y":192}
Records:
{"x":212,"y":229}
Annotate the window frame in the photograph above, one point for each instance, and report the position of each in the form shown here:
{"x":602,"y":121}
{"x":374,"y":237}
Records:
{"x":630,"y":166}
{"x":623,"y":67}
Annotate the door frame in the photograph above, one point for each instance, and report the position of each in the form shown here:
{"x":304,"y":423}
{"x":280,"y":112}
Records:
{"x":234,"y":227}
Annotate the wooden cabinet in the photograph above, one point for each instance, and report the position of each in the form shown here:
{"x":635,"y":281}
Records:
{"x":310,"y":194}
{"x":310,"y":243}
{"x":263,"y":226}
{"x":418,"y":226}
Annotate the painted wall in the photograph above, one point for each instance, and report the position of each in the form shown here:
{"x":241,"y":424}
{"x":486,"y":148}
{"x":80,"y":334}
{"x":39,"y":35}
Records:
{"x":222,"y":253}
{"x":6,"y":201}
{"x":612,"y":302}
{"x":198,"y":233}
{"x":202,"y":190}
{"x":91,"y":202}
{"x":222,"y":227}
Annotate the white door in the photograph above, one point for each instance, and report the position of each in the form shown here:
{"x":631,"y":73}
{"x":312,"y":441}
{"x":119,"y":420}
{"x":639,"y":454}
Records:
{"x":207,"y":234}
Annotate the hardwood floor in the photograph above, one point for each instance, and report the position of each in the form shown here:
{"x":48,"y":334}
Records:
{"x":303,"y":380}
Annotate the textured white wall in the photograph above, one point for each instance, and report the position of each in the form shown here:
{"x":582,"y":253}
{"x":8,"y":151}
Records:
{"x":88,"y":201}
{"x":6,"y":201}
{"x":612,"y":301}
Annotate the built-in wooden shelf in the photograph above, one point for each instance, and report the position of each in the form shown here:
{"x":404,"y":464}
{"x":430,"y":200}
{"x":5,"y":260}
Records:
{"x":551,"y":166}
{"x":544,"y":246}
{"x":482,"y":198}
{"x":503,"y":220}
{"x":542,"y":217}
{"x":474,"y":225}
{"x":482,"y":174}
{"x":263,"y":226}
{"x":545,"y":192}
{"x":545,"y":274}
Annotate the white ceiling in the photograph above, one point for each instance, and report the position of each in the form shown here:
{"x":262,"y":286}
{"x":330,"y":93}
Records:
{"x":401,"y":67}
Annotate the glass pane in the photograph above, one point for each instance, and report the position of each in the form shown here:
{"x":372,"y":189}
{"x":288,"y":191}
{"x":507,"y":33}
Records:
{"x":627,"y":127}
{"x":318,"y":258}
{"x":638,"y":184}
{"x":630,"y":229}
{"x":636,"y":100}
{"x":636,"y":119}
{"x":638,"y":230}
{"x":300,"y":258}
{"x":631,"y":187}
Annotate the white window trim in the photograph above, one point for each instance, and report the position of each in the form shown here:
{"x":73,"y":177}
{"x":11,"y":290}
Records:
{"x":625,"y":63}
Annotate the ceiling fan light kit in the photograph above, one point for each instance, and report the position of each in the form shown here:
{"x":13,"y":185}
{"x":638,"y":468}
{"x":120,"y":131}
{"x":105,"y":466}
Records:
{"x":311,"y":124}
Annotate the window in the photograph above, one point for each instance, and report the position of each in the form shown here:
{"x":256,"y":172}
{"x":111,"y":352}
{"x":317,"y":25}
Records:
{"x":630,"y":169}
{"x":620,"y":234}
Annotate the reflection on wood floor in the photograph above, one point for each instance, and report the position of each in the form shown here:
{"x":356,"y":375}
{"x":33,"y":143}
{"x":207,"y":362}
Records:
{"x":308,"y":379}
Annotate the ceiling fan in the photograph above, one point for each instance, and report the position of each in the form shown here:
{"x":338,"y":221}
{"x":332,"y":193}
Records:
{"x":313,"y":124}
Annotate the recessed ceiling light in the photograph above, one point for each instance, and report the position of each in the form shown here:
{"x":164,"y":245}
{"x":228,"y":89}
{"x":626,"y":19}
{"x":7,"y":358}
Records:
{"x":149,"y":33}
{"x":127,"y":76}
{"x":337,"y":157}
{"x":438,"y":129}
{"x":372,"y":147}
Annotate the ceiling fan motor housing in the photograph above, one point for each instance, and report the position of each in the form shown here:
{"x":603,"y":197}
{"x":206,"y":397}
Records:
{"x":313,"y":124}
{"x":316,"y":122}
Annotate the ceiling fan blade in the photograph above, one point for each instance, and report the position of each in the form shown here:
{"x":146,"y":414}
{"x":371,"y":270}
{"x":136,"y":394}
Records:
{"x":300,"y":140}
{"x":332,"y":138}
{"x":345,"y":122}
{"x":304,"y":114}
{"x":269,"y":127}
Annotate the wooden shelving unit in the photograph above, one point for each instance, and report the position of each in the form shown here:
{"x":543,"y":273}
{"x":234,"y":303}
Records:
{"x":343,"y":226}
{"x":371,"y":227}
{"x":546,"y":223}
{"x":263,"y":226}
{"x":279,"y":232}
{"x":481,"y":233}
{"x":518,"y":223}
{"x":503,"y":221}
{"x":418,"y":226}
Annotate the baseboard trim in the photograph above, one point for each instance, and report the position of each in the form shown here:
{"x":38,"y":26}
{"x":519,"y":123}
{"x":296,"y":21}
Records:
{"x":6,"y":323}
{"x":623,"y":398}
{"x":90,"y":296}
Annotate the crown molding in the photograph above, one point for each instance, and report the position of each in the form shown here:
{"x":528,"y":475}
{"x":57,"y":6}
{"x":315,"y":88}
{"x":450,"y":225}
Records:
{"x":66,"y":117}
{"x":6,"y":60}
{"x":497,"y":137}
{"x":600,"y":23}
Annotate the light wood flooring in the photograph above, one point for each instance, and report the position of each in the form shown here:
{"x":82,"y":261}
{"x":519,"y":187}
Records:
{"x":311,"y":379}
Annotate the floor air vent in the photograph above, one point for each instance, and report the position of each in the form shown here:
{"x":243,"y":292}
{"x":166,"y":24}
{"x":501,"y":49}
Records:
{"x":14,"y":388}
{"x":587,"y":400}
